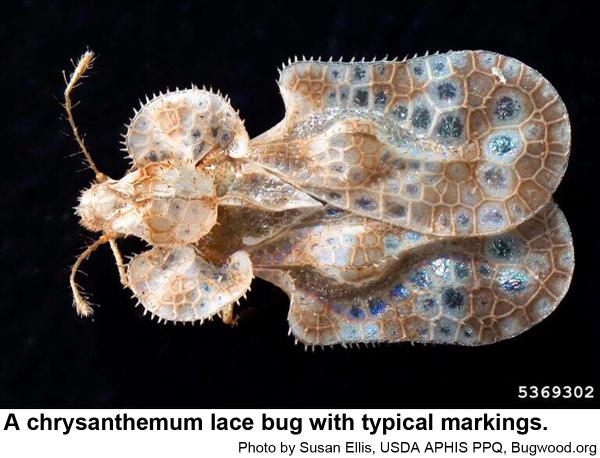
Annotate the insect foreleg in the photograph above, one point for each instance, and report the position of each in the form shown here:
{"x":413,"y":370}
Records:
{"x":228,"y":316}
{"x":119,"y":260}
{"x":85,"y":62}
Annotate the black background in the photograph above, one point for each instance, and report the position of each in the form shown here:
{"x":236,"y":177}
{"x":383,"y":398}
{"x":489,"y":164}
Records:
{"x":51,"y":358}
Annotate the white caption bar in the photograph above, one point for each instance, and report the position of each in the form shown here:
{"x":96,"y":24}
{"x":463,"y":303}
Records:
{"x":298,"y":433}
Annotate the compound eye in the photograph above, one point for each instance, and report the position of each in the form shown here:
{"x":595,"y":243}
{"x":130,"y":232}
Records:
{"x":184,"y":126}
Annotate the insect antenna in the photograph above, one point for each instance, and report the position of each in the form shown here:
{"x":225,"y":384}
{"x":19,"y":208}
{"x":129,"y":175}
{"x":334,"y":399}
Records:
{"x":80,"y":300}
{"x":85,"y":63}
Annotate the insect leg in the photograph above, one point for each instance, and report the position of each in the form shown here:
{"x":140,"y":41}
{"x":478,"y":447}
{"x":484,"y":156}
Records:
{"x":85,"y":62}
{"x":119,"y":260}
{"x":227,"y":315}
{"x":80,"y":302}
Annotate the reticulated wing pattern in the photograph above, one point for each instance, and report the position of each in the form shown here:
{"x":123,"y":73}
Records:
{"x":184,"y":126}
{"x":396,"y":201}
{"x":468,"y":291}
{"x":243,"y":227}
{"x":340,"y":246}
{"x":462,"y":143}
{"x":253,"y":186}
{"x":176,"y":284}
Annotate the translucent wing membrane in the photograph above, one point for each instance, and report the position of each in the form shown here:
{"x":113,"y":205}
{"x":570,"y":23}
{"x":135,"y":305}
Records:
{"x":253,"y":186}
{"x":176,"y":284}
{"x":343,"y":247}
{"x":463,"y":143}
{"x":242,"y":227}
{"x":184,"y":126}
{"x":468,"y":291}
